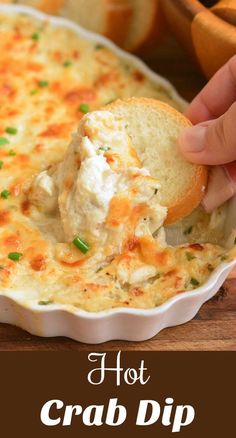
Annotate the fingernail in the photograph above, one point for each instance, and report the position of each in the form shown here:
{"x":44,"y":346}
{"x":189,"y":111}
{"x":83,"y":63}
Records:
{"x":193,"y":139}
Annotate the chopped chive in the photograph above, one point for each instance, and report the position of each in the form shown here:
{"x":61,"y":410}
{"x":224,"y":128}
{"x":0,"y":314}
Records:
{"x":15,"y":256}
{"x":33,"y":92}
{"x":45,"y":302}
{"x":35,"y":36}
{"x":10,"y":130}
{"x":109,"y":101}
{"x":190,"y":256}
{"x":99,"y":47}
{"x":1,"y":164}
{"x":188,"y":230}
{"x":84,"y":108}
{"x":43,"y":83}
{"x":81,"y":245}
{"x":3,"y":141}
{"x":105,"y":149}
{"x":194,"y":282}
{"x":11,"y":153}
{"x":67,"y":63}
{"x":5,"y":194}
{"x":125,"y":66}
{"x":224,"y":257}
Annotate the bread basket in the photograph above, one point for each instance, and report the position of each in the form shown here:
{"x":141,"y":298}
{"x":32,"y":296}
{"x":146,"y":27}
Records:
{"x":208,"y":33}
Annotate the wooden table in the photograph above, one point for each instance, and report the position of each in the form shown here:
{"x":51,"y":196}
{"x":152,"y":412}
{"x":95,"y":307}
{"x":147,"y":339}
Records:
{"x":214,"y":328}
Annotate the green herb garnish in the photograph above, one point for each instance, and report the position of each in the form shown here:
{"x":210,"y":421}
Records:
{"x":84,"y":108}
{"x":45,"y":302}
{"x":3,"y":141}
{"x":224,"y":257}
{"x":11,"y":153}
{"x":99,"y":47}
{"x":35,"y":36}
{"x":15,"y":256}
{"x":10,"y":130}
{"x":33,"y":92}
{"x":5,"y":194}
{"x":43,"y":83}
{"x":194,"y":282}
{"x":109,"y":101}
{"x":81,"y":245}
{"x":67,"y":63}
{"x":190,"y":256}
{"x":105,"y":149}
{"x":1,"y":164}
{"x":188,"y":230}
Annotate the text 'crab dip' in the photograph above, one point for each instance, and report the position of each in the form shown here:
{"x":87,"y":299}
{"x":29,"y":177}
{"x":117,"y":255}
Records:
{"x":83,"y":226}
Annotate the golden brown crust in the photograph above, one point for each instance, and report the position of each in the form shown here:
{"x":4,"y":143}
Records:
{"x":195,"y":190}
{"x":192,"y":198}
{"x":51,"y":6}
{"x":155,"y":31}
{"x":119,"y":13}
{"x":147,"y":38}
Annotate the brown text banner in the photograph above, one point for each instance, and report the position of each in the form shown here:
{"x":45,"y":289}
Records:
{"x":86,"y":394}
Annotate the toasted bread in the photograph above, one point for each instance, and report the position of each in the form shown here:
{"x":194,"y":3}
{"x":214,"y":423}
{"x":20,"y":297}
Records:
{"x":145,"y":25}
{"x":154,"y":128}
{"x":226,"y":9}
{"x":107,"y":17}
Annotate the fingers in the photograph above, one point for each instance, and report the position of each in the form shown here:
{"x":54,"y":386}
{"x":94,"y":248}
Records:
{"x":221,"y":186}
{"x":212,"y":142}
{"x":216,"y":97}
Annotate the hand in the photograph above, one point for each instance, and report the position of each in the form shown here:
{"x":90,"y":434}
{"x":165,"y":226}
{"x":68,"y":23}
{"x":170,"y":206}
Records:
{"x":212,"y":140}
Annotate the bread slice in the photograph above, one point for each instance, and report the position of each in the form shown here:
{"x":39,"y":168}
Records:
{"x":154,"y":128}
{"x":107,"y":17}
{"x":226,"y":9}
{"x":145,"y":25}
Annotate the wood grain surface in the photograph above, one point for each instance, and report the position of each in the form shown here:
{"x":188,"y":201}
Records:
{"x":214,"y":327}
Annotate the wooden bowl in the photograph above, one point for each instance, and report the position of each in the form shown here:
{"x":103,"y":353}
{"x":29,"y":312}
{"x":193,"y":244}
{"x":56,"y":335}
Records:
{"x":208,"y":33}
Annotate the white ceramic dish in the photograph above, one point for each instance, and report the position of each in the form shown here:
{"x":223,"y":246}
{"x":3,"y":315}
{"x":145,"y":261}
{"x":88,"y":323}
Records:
{"x":123,"y":323}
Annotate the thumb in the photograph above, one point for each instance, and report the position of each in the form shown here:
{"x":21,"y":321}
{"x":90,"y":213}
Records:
{"x":212,"y":142}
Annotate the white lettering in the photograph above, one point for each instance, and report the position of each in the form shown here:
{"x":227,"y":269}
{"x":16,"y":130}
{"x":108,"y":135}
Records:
{"x":45,"y":411}
{"x":142,"y":419}
{"x":93,"y":357}
{"x":167,"y":412}
{"x":130,"y":375}
{"x":113,"y":409}
{"x":189,"y":413}
{"x":92,"y":415}
{"x":69,"y":412}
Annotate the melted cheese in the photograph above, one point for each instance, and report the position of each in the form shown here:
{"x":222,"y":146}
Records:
{"x":46,"y":73}
{"x":105,"y":201}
